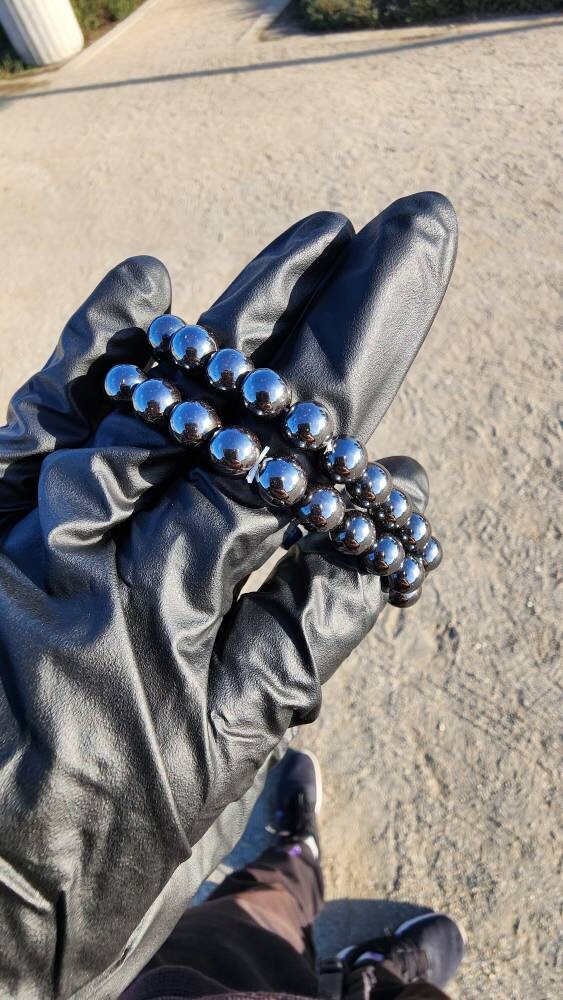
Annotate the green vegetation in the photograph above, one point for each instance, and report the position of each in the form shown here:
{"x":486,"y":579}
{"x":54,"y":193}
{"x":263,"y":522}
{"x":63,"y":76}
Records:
{"x":334,"y":15}
{"x":96,"y":14}
{"x":93,"y":16}
{"x":9,"y":62}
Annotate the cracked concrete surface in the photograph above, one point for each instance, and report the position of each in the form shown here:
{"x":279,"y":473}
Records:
{"x":197,"y":140}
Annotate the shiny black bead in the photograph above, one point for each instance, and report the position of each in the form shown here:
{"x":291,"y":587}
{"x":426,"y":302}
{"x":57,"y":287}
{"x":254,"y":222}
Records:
{"x":415,"y":533}
{"x":193,"y":421}
{"x":161,"y":331}
{"x":265,"y":393}
{"x":308,"y":425}
{"x":226,"y":369}
{"x":355,"y":535}
{"x":281,"y":482}
{"x":431,"y":554}
{"x":234,"y":451}
{"x":410,"y":575}
{"x":385,"y":557}
{"x":191,"y":346}
{"x":344,"y":460}
{"x":121,"y":380}
{"x":154,"y":399}
{"x":372,"y":488}
{"x":398,"y":599}
{"x":322,"y":509}
{"x":394,"y":512}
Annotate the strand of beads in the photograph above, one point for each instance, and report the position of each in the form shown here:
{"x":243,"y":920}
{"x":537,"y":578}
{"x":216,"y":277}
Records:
{"x":381,"y":527}
{"x":232,"y":450}
{"x":405,"y":549}
{"x":393,"y":540}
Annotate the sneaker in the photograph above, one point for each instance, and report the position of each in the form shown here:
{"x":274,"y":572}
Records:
{"x":300,"y":793}
{"x":426,"y":949}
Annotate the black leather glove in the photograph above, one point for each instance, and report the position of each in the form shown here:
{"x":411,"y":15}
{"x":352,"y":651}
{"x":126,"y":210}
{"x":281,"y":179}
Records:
{"x":139,"y":695}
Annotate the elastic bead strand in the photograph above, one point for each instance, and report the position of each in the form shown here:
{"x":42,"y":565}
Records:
{"x":393,"y":541}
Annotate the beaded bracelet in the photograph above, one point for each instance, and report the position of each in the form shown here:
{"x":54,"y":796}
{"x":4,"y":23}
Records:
{"x":394,"y":541}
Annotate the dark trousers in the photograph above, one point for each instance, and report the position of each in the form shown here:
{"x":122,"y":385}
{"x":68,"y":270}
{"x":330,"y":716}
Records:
{"x":254,"y":935}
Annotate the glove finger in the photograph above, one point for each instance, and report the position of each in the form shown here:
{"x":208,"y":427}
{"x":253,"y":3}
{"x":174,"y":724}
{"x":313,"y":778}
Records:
{"x":264,"y":301}
{"x":267,"y":296}
{"x":276,"y":647}
{"x":358,"y":340}
{"x":355,"y":343}
{"x":58,"y":407}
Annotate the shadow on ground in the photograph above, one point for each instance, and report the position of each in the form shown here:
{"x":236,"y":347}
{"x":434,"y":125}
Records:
{"x":8,"y":97}
{"x":343,"y":921}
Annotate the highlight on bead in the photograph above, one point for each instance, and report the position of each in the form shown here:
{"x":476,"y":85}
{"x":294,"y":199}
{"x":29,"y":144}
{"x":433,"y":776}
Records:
{"x":226,"y":369}
{"x":385,"y":557}
{"x":344,"y":460}
{"x":193,"y":422}
{"x":394,"y":512}
{"x":154,"y":398}
{"x":308,"y":425}
{"x":121,"y":380}
{"x":355,"y":535}
{"x":371,"y":488}
{"x":410,"y":575}
{"x":192,"y":346}
{"x":415,"y":532}
{"x":265,"y":393}
{"x":234,"y":451}
{"x":281,"y":482}
{"x":161,"y":331}
{"x":321,"y":509}
{"x":431,"y":554}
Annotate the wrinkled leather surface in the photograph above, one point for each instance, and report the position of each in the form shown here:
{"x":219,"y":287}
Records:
{"x":139,"y":695}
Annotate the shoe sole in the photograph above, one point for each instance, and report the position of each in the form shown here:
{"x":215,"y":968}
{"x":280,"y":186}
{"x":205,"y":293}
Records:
{"x":424,"y":916}
{"x":318,"y":779}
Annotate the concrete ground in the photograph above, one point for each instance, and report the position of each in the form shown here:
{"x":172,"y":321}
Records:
{"x":197,"y":138}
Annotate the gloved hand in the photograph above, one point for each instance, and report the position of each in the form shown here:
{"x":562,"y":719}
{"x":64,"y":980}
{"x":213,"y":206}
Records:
{"x":139,"y":693}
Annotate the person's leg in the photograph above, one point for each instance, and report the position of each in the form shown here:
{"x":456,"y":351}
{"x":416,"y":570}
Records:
{"x":282,"y":891}
{"x":254,"y":933}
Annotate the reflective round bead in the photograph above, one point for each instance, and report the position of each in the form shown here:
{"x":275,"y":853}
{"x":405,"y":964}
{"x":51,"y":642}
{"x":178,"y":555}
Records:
{"x":410,"y":575}
{"x":121,"y":380}
{"x":265,"y":393}
{"x":193,"y":421}
{"x":398,"y":599}
{"x":394,"y":512}
{"x":372,"y":488}
{"x":234,"y":451}
{"x":281,"y":482}
{"x":191,"y":346}
{"x":154,"y":399}
{"x":415,"y":533}
{"x":385,"y":557}
{"x":226,"y":369}
{"x":308,"y":426}
{"x":161,"y":331}
{"x":431,"y":554}
{"x":322,"y":509}
{"x":355,"y":535}
{"x":344,"y":460}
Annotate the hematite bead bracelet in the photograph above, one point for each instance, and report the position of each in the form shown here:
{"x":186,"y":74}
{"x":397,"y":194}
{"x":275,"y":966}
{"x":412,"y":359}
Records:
{"x":393,"y":540}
